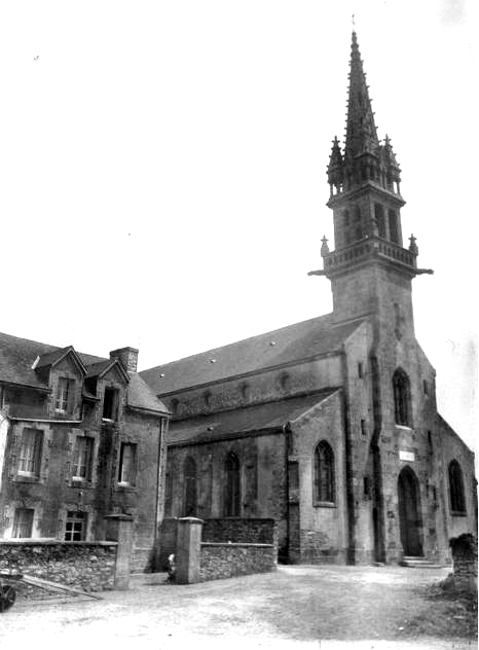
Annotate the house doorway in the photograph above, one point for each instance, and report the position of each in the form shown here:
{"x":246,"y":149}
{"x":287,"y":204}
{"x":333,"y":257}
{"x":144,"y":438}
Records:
{"x":410,"y":521}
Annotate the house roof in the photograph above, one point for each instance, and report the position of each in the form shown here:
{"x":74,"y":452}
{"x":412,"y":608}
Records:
{"x":18,"y":355}
{"x":297,"y":342}
{"x":261,"y":417}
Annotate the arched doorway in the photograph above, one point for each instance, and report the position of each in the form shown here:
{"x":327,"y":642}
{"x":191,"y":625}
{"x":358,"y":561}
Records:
{"x":410,"y":521}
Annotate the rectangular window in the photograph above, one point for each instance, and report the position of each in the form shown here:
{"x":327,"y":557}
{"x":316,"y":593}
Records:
{"x":127,"y":473}
{"x":75,"y":526}
{"x":30,"y":457}
{"x":83,"y":458}
{"x":64,"y":398}
{"x":110,"y":404}
{"x":360,"y":370}
{"x":364,"y":430}
{"x":23,"y":522}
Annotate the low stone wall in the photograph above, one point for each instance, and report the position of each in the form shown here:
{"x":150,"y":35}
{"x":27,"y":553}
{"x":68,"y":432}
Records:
{"x":89,"y":566}
{"x":239,"y":530}
{"x":229,"y":560}
{"x":464,"y":559}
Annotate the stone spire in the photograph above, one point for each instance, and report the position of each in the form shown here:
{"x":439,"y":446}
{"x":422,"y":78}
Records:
{"x":361,"y":134}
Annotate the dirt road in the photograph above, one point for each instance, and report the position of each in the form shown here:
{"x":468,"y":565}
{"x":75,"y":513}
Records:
{"x":296,"y":607}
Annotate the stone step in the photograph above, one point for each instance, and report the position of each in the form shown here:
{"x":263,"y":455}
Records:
{"x":419,"y":563}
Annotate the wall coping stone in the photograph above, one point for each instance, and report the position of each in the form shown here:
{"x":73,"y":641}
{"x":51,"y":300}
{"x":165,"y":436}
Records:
{"x":52,"y":542}
{"x":229,"y":544}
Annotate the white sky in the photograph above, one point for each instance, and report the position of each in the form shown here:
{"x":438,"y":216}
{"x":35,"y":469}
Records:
{"x":162,"y":169}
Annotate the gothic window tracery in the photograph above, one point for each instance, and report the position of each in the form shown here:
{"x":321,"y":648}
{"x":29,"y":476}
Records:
{"x":456,"y":488}
{"x":402,"y":398}
{"x":324,"y":475}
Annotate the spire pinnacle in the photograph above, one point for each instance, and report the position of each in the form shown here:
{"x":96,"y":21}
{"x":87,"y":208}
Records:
{"x":361,"y":135}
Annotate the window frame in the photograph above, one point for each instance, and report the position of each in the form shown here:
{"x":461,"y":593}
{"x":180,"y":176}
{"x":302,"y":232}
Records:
{"x":30,"y":452}
{"x":83,"y":458}
{"x":127,"y":469}
{"x":232,"y":486}
{"x":457,"y":496}
{"x":64,"y":398}
{"x":72,"y":517}
{"x":110,"y":407}
{"x":324,"y":475}
{"x":402,"y":398}
{"x":190,"y":487}
{"x":18,"y":523}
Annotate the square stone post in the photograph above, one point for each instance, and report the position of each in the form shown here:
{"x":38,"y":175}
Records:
{"x":188,"y":549}
{"x":119,"y":528}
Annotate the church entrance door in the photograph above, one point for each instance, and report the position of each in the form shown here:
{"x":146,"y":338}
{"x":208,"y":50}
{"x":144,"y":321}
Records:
{"x":410,"y":521}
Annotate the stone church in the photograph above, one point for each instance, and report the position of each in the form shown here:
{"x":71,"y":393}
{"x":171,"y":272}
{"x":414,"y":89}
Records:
{"x":329,"y":426}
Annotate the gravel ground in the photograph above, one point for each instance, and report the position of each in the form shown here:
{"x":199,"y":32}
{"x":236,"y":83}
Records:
{"x":377,"y":608}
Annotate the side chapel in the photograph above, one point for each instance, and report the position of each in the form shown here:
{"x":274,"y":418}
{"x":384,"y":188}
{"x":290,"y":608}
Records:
{"x":330,"y":426}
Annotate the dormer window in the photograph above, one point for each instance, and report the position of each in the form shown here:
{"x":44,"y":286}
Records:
{"x":65,"y":393}
{"x":110,"y":404}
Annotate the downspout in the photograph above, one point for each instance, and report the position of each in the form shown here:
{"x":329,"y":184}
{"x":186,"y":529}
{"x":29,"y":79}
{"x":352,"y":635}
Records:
{"x":351,"y":550}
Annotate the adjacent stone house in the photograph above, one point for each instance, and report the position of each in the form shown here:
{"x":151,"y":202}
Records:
{"x":81,"y":437}
{"x":329,"y":426}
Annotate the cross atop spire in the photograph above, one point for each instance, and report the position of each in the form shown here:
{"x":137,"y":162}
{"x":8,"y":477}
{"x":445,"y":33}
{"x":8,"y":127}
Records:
{"x":361,"y":134}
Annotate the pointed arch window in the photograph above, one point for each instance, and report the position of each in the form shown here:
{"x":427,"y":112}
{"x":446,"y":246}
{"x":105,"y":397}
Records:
{"x":456,"y":488}
{"x":324,"y":475}
{"x":232,"y":486}
{"x":402,"y":398}
{"x":190,"y":488}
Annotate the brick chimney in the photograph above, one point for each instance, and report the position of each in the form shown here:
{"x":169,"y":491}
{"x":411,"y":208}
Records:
{"x":128,"y":357}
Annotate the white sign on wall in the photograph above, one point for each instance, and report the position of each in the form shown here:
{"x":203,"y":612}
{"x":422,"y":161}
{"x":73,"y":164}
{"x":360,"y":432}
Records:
{"x":406,"y":455}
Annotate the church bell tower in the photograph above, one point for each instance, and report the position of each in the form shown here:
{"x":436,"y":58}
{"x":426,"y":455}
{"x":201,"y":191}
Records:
{"x":364,"y":179}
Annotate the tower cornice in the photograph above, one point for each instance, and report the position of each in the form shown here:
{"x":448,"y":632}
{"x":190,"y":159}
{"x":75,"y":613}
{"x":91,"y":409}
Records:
{"x":365,"y":188}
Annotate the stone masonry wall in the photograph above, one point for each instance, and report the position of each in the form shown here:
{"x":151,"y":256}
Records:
{"x":464,"y":556}
{"x":229,"y":560}
{"x":239,"y":530}
{"x":89,"y":566}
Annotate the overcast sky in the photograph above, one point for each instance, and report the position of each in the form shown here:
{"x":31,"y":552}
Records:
{"x":162,"y":169}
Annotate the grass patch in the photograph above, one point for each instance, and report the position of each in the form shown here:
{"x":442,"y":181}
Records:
{"x":448,"y":612}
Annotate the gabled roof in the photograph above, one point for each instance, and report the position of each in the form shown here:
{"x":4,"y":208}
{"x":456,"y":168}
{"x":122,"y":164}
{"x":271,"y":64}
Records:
{"x":311,"y":338}
{"x":52,"y":358}
{"x":17,"y":356}
{"x":269,"y":417}
{"x":100,"y":368}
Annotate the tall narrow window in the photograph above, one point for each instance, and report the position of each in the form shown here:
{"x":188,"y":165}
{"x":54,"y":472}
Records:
{"x":232,"y":496}
{"x":380,"y":221}
{"x":402,"y":398}
{"x":64,"y":397}
{"x":324,"y":478}
{"x":393,"y":227}
{"x":190,"y":488}
{"x":30,"y":457}
{"x":83,"y":458}
{"x":456,"y":488}
{"x":75,"y":526}
{"x":110,"y":404}
{"x":127,"y":473}
{"x":23,"y":522}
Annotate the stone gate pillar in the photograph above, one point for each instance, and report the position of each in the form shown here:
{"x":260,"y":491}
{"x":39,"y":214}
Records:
{"x":119,"y":528}
{"x":188,"y":549}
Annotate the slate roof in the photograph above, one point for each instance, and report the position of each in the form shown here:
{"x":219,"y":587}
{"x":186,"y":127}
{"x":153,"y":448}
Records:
{"x":17,"y":356}
{"x":296,"y":342}
{"x":261,"y":417}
